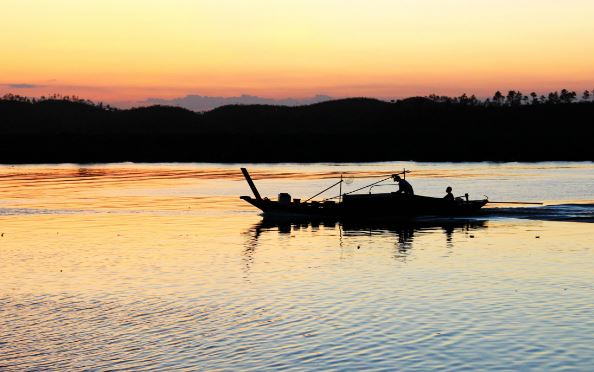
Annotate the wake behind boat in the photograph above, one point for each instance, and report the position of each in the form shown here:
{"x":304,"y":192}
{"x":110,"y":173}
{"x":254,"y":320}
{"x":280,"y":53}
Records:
{"x":363,"y":206}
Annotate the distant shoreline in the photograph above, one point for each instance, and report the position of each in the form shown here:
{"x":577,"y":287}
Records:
{"x":97,"y":163}
{"x":350,"y":130}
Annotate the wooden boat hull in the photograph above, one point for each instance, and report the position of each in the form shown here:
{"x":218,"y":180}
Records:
{"x":371,"y":206}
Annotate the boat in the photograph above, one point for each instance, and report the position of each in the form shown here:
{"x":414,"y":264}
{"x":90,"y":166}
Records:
{"x":363,"y":206}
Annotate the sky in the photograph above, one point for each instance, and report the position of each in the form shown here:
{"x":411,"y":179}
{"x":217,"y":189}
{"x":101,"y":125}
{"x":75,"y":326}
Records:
{"x":133,"y":50}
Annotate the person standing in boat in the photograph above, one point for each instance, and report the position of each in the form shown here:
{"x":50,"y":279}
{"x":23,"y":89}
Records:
{"x":403,"y":186}
{"x":449,"y":195}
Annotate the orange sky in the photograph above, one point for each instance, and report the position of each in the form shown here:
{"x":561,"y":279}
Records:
{"x":128,"y":50}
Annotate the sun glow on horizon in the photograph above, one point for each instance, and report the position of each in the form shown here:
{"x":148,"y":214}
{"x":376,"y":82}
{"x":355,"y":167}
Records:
{"x":132,"y":49}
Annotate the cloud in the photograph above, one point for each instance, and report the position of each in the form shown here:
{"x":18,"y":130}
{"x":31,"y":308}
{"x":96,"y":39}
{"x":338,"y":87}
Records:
{"x":22,"y":86}
{"x":204,"y":103}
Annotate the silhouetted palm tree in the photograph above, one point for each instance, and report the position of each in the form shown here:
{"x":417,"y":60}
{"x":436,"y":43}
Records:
{"x":498,"y":98}
{"x":514,"y":98}
{"x":567,"y":96}
{"x":553,"y":98}
{"x":534,"y":98}
{"x":463,"y":99}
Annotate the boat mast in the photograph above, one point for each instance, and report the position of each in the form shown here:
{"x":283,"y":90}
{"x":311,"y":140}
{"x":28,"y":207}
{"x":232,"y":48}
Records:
{"x":251,"y":183}
{"x":340,"y":190}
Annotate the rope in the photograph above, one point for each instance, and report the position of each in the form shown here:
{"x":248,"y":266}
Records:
{"x":323,"y":191}
{"x":359,"y":189}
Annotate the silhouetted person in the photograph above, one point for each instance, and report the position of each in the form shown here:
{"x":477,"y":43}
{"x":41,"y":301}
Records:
{"x":403,"y":186}
{"x":449,"y":195}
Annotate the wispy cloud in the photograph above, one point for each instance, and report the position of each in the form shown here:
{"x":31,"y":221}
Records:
{"x":22,"y":85}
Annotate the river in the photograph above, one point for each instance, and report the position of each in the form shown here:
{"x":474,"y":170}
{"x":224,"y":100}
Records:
{"x":162,"y":266}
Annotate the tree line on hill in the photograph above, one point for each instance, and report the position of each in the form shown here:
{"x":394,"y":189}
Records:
{"x":517,"y":98}
{"x":512,"y":127}
{"x":512,"y":98}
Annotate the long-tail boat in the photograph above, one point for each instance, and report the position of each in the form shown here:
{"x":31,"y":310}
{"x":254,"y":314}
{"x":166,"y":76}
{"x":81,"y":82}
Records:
{"x":363,"y":206}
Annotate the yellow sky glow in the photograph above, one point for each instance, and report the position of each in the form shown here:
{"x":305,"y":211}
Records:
{"x":134,"y":49}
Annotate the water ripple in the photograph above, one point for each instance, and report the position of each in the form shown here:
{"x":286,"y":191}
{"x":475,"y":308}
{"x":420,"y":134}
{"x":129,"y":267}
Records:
{"x":161,"y":267}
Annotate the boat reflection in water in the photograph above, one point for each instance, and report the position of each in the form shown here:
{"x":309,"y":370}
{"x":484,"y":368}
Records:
{"x":403,"y":232}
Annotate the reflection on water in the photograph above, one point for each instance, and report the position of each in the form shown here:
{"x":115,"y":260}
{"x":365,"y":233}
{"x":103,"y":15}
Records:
{"x":162,"y":267}
{"x":402,"y":232}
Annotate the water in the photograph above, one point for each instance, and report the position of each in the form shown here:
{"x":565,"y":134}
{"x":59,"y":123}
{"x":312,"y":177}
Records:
{"x":143,"y":267}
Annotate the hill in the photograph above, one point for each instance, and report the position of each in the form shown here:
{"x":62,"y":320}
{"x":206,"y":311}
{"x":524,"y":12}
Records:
{"x":355,"y":129}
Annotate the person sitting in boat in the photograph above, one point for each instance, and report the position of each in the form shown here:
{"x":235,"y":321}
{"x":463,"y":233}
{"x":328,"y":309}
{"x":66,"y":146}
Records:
{"x":403,"y":186}
{"x":449,"y":195}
